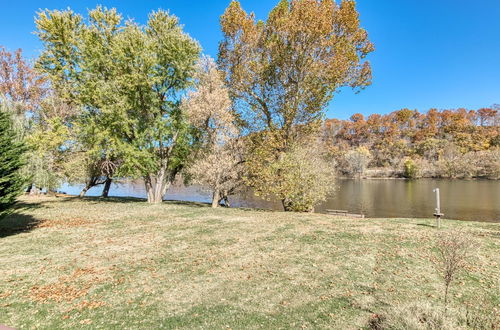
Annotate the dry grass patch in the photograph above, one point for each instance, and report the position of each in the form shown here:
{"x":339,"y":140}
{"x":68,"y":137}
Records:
{"x":173,"y":265}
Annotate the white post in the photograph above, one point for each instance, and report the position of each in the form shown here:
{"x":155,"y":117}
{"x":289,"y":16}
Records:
{"x":438,"y":208}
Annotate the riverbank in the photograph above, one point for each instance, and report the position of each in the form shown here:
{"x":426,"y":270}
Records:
{"x":122,"y":263}
{"x":474,"y":200}
{"x":390,"y":173}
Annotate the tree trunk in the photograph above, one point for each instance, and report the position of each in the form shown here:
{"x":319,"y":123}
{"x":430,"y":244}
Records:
{"x":34,"y":190}
{"x":224,"y":198}
{"x":287,"y":206}
{"x":107,"y":186}
{"x":215,"y":199}
{"x":91,"y":182}
{"x":84,"y":190}
{"x":156,"y":186}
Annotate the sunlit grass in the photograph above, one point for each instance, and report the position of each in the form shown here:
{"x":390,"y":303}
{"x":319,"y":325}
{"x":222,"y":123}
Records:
{"x":122,"y":263}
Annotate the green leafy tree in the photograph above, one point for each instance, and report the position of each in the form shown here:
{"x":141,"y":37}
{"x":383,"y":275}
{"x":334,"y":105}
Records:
{"x":11,"y":162}
{"x":129,"y":80}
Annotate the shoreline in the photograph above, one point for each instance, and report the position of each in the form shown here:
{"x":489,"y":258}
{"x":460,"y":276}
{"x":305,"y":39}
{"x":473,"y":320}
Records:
{"x":351,"y":216}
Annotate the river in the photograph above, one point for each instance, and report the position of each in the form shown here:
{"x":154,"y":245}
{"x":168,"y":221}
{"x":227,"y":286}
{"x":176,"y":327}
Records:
{"x":475,"y":200}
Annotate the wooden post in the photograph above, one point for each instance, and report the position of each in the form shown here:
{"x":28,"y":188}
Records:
{"x":437,"y":212}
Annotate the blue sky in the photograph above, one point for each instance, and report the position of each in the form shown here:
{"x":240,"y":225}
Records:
{"x":429,"y":53}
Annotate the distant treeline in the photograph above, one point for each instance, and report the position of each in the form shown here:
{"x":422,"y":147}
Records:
{"x":440,"y":143}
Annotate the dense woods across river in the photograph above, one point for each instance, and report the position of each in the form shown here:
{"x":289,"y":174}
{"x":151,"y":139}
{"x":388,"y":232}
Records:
{"x":457,"y":143}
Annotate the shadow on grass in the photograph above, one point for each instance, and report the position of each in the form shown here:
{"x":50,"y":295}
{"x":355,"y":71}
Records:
{"x":17,"y":223}
{"x":426,"y":225}
{"x":186,"y":203}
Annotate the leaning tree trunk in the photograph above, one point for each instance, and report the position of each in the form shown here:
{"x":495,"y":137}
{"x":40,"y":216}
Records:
{"x":92,"y":182}
{"x":156,"y":186}
{"x":107,"y":186}
{"x":84,"y":190}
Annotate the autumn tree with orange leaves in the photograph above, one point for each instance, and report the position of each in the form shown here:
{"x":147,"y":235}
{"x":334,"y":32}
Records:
{"x":440,"y":143}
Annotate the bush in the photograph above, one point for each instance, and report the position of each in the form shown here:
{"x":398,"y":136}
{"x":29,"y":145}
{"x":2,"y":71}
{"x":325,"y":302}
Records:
{"x":488,"y":163}
{"x":300,"y":177}
{"x":410,"y":169}
{"x":11,"y":161}
{"x":452,"y":251}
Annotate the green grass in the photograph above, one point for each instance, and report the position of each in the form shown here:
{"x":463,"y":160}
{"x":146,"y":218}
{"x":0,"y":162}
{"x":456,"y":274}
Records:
{"x":71,"y":263}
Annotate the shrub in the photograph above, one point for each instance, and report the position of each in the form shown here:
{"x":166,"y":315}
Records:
{"x":456,"y":165}
{"x":488,"y":163}
{"x":299,"y":177}
{"x":410,"y":169}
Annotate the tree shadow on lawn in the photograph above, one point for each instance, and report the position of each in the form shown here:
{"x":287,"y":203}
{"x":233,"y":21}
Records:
{"x":17,"y":223}
{"x":130,"y":200}
{"x":186,"y":203}
{"x":71,"y":198}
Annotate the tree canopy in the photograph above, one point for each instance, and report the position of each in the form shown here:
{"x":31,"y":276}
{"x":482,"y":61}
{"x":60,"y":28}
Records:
{"x":128,"y":80}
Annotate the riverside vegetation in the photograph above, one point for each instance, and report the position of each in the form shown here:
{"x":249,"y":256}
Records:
{"x":111,"y":99}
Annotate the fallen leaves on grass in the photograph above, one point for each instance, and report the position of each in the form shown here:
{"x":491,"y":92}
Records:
{"x":68,"y":288}
{"x":64,"y":223}
{"x":57,"y":292}
{"x":90,"y":304}
{"x":5,"y":294}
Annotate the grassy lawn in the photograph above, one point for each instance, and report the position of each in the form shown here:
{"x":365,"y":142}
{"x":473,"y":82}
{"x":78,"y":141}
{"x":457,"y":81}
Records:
{"x":122,"y":263}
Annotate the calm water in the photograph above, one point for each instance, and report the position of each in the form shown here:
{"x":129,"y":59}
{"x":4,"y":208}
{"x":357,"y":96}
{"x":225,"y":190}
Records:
{"x":476,"y":200}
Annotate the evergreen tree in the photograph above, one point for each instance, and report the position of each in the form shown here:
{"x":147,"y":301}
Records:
{"x":11,"y":161}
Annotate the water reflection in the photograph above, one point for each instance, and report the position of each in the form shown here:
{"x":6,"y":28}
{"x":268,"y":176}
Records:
{"x":476,"y":200}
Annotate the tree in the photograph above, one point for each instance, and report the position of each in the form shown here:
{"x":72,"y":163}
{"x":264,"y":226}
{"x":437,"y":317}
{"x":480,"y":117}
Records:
{"x":220,"y":169}
{"x":283,"y":72}
{"x":129,"y":80}
{"x":20,"y":83}
{"x":11,"y":162}
{"x":452,"y":251}
{"x":300,"y":178}
{"x":357,"y":161}
{"x":219,"y":164}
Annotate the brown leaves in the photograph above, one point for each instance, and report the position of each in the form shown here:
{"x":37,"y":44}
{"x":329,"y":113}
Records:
{"x":57,"y":292}
{"x":64,"y":223}
{"x":70,"y":287}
